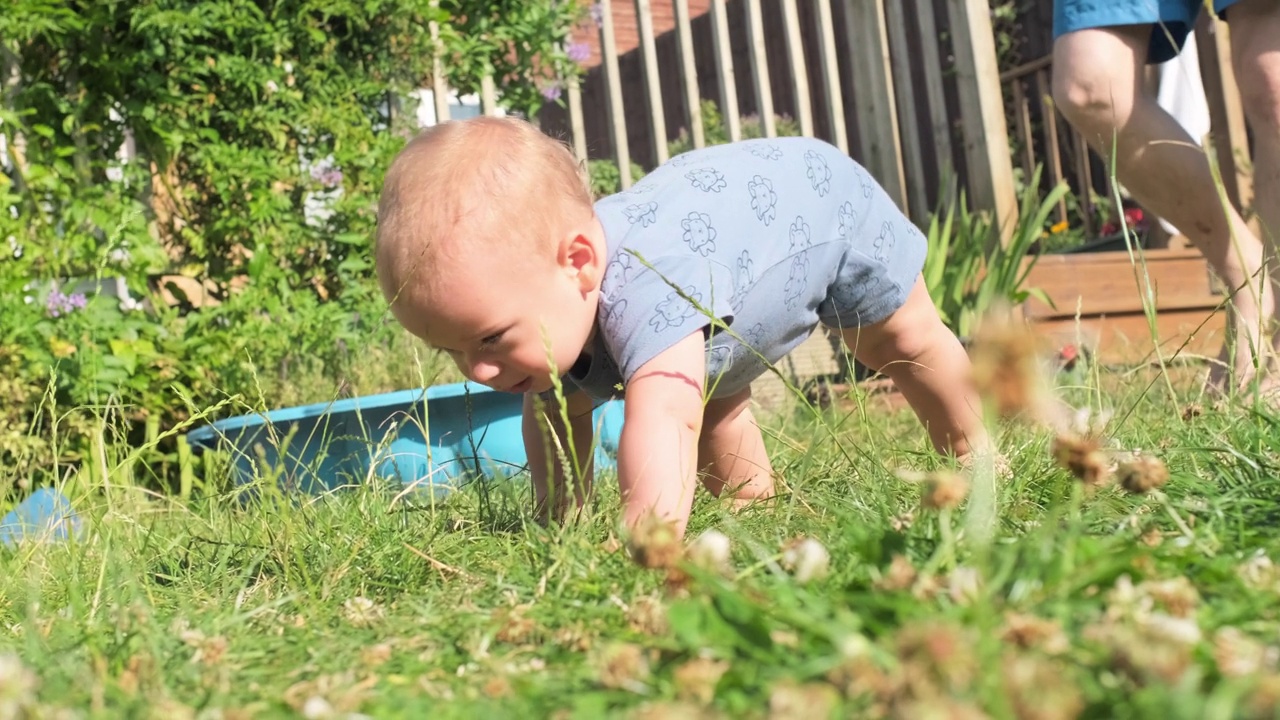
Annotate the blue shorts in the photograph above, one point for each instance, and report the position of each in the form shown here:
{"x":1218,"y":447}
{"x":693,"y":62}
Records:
{"x":1173,"y":20}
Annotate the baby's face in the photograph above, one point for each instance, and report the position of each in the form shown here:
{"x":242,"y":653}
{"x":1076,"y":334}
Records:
{"x":504,"y":327}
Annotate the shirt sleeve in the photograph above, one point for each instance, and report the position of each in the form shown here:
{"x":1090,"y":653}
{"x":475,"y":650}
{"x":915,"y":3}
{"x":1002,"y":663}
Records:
{"x":661,"y":302}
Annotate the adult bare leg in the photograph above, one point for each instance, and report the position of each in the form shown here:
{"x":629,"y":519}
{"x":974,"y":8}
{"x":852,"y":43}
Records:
{"x":1097,"y":85}
{"x":1255,"y":51}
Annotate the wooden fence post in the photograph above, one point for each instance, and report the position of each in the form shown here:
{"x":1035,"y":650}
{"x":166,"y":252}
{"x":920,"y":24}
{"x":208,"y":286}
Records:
{"x":931,"y":62}
{"x":577,"y":124}
{"x":909,"y":119}
{"x":488,"y":94}
{"x":986,"y":137}
{"x":689,"y":71}
{"x":724,"y":74}
{"x":617,"y":116}
{"x":873,"y":88}
{"x":1226,"y":115}
{"x":831,"y":76}
{"x":799,"y":74}
{"x":439,"y":86}
{"x":760,"y":68}
{"x":652,"y":83}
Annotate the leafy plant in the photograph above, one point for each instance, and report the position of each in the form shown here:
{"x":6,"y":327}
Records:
{"x":259,"y":133}
{"x":605,"y":178}
{"x":968,"y":269}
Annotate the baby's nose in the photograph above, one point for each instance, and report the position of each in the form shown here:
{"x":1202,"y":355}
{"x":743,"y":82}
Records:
{"x":484,"y":372}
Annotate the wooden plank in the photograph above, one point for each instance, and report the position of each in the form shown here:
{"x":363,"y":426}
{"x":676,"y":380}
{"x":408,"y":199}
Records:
{"x":1049,"y":113}
{"x":1226,"y":114}
{"x":1023,"y":125}
{"x":577,"y":124}
{"x":908,"y":117}
{"x":1105,"y":282}
{"x":439,"y":84}
{"x":831,"y":76}
{"x":873,"y":87}
{"x":1103,"y":290}
{"x":613,"y":84}
{"x":488,"y":95}
{"x":1084,"y":180}
{"x":724,"y":71}
{"x":652,"y":81}
{"x":799,"y":75}
{"x":759,"y":58}
{"x":689,"y":73}
{"x":986,"y":138}
{"x":931,"y":61}
{"x":1126,"y":337}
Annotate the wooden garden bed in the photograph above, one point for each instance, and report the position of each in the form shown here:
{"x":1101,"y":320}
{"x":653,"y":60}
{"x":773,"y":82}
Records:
{"x":1101,"y":287}
{"x":1104,"y":290}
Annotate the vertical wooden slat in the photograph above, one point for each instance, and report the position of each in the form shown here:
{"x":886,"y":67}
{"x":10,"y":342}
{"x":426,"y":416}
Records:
{"x":1084,"y":180}
{"x":1226,"y":115}
{"x":577,"y":124}
{"x":931,"y":61}
{"x":439,"y":85}
{"x":689,"y":73}
{"x":873,"y":89}
{"x":986,"y":137}
{"x":725,"y":77}
{"x":760,"y":68}
{"x":1052,"y":149}
{"x":799,"y":74}
{"x":831,"y":76}
{"x":652,"y":82}
{"x":613,"y":85}
{"x":724,"y":67}
{"x":488,"y":95}
{"x":1025,"y":135}
{"x":908,"y":116}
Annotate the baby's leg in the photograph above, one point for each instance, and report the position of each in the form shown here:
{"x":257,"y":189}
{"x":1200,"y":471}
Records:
{"x":929,"y":366}
{"x":731,"y":451}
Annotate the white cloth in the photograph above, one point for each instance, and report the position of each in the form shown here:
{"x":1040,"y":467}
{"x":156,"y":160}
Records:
{"x":1181,"y":94}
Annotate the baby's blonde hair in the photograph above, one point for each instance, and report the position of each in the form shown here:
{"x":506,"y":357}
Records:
{"x":499,"y":180}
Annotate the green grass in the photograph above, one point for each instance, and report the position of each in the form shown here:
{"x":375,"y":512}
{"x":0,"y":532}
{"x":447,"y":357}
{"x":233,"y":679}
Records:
{"x":353,"y":604}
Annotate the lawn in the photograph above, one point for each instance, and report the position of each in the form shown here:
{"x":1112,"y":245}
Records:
{"x":1088,"y":601}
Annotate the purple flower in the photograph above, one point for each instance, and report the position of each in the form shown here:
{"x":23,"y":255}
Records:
{"x":327,"y":175}
{"x":551,"y":92}
{"x":578,"y":51}
{"x":59,"y":304}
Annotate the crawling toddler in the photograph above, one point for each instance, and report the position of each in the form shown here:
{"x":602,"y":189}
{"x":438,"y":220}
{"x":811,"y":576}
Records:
{"x":674,"y":294}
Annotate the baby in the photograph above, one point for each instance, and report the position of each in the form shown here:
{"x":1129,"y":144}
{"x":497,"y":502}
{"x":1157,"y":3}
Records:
{"x":674,"y":294}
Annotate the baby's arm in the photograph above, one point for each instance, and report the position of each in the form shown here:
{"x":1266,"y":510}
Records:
{"x":550,"y":486}
{"x":658,"y":451}
{"x":931,"y":369}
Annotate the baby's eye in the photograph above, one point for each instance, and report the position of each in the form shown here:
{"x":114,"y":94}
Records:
{"x":490,"y":340}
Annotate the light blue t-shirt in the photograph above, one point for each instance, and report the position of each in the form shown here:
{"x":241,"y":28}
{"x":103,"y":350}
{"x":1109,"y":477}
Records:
{"x":770,"y":236}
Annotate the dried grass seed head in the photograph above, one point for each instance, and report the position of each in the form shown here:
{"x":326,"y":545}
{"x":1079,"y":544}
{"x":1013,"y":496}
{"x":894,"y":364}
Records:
{"x":1142,"y":474}
{"x":1009,"y":366}
{"x":1083,"y":457}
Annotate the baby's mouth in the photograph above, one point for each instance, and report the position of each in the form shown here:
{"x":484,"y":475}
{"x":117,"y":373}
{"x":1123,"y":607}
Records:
{"x":522,"y":386}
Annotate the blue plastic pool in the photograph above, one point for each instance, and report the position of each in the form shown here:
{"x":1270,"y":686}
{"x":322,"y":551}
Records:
{"x":432,"y":438}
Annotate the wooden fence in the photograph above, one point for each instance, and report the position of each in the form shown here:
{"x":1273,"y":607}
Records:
{"x":913,"y":91}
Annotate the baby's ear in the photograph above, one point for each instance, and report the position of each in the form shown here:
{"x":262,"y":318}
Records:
{"x":583,"y":258}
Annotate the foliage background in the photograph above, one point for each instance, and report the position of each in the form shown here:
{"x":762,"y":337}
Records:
{"x":260,"y":132}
